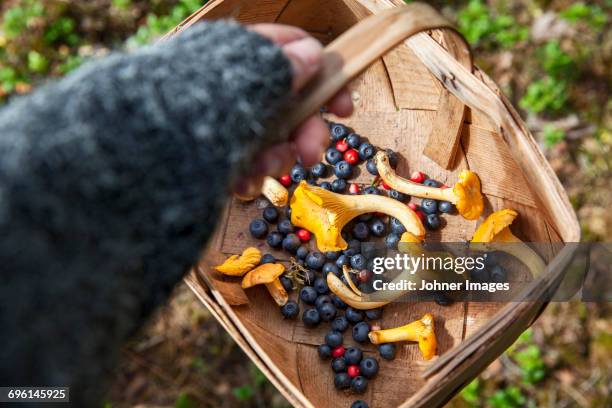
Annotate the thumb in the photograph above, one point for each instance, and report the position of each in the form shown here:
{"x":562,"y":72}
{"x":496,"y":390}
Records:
{"x":305,"y":57}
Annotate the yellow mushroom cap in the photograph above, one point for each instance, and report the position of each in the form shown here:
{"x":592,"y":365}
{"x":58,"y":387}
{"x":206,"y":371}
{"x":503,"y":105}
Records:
{"x":266,"y":273}
{"x":469,"y":200}
{"x":494,"y":225}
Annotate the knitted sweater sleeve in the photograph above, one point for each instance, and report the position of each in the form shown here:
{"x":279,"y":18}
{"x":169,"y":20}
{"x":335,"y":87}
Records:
{"x":111,"y":182}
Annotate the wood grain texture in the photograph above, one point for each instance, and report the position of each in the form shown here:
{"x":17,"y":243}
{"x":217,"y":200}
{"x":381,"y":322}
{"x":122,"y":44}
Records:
{"x":494,"y":143}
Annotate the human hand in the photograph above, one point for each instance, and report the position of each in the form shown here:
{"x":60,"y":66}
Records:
{"x":309,"y":140}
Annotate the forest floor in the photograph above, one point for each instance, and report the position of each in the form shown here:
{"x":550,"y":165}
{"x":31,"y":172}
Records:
{"x":553,"y":59}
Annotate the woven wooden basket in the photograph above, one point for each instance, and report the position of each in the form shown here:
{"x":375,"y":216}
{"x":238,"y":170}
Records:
{"x":415,"y":91}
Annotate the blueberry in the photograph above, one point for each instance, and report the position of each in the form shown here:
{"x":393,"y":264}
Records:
{"x":309,"y":277}
{"x":321,"y":300}
{"x":353,"y":248}
{"x":490,"y":258}
{"x":360,"y":332}
{"x":396,"y":226}
{"x":302,"y":252}
{"x":270,"y":214}
{"x":498,"y":274}
{"x":392,"y":240}
{"x":431,"y":183}
{"x":361,"y":231}
{"x":291,"y":243}
{"x":353,"y":140}
{"x":353,"y":355}
{"x":446,"y":207}
{"x":258,"y":228}
{"x":324,"y":351}
{"x":326,"y":185}
{"x":387,"y":351}
{"x":353,"y":315}
{"x":321,"y":286}
{"x":343,"y":169}
{"x":332,"y":255}
{"x":311,"y":317}
{"x":374,"y":314}
{"x":308,"y":295}
{"x":330,"y":267}
{"x":429,"y":206}
{"x":366,"y":151}
{"x":333,"y":156}
{"x":333,"y":338}
{"x":319,"y":170}
{"x":343,"y":260}
{"x":371,"y":190}
{"x":338,"y":131}
{"x":342,"y":381}
{"x":290,"y":310}
{"x":339,"y":303}
{"x":359,"y":404}
{"x":315,"y":260}
{"x":432,"y":222}
{"x":393,"y":158}
{"x":268,"y":258}
{"x":371,"y":167}
{"x":338,"y":364}
{"x":340,"y":324}
{"x":358,"y":262}
{"x":377,"y":227}
{"x":442,"y":299}
{"x":368,"y":367}
{"x":479,"y":275}
{"x":396,"y":195}
{"x":359,"y":384}
{"x":338,"y":185}
{"x":285,"y":227}
{"x":287,"y":283}
{"x":275,"y":239}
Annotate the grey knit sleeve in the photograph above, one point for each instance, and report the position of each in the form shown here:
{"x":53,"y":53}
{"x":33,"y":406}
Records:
{"x":111,"y":181}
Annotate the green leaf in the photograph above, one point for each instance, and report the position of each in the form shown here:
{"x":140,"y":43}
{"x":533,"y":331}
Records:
{"x":243,"y":393}
{"x":184,"y":401}
{"x":545,"y":95}
{"x":471,"y":393}
{"x":37,"y":62}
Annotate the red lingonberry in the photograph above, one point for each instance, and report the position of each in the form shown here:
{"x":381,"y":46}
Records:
{"x":417,"y":177}
{"x":285,"y":180}
{"x":354,"y":188}
{"x":342,"y":146}
{"x":303,"y":235}
{"x":352,"y":371}
{"x":338,"y":351}
{"x":351,"y":156}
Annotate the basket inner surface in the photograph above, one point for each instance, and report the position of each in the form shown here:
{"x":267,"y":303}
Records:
{"x":395,"y":106}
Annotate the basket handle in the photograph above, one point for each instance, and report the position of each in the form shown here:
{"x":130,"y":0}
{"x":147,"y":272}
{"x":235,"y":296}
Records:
{"x":361,"y":45}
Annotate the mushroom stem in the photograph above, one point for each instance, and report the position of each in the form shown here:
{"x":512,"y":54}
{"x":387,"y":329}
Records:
{"x":347,"y":276}
{"x":355,"y":301}
{"x":278,"y":292}
{"x":274,"y":191}
{"x":465,"y":194}
{"x":421,"y":331}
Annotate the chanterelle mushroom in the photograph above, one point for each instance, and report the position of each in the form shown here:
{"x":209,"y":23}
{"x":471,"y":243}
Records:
{"x":494,"y":235}
{"x":325,"y":214}
{"x":421,"y":331}
{"x":268,"y":274}
{"x":239,"y":265}
{"x":465,"y":194}
{"x":274,"y":191}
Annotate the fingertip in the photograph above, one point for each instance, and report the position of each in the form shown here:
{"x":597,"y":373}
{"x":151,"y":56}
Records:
{"x":341,"y":104}
{"x":311,"y":137}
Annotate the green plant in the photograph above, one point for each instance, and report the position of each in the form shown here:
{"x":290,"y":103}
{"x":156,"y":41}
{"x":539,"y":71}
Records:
{"x":591,"y":14}
{"x":37,"y":62}
{"x":61,"y":30}
{"x":528,"y":357}
{"x":546,"y":94}
{"x":243,"y":393}
{"x":184,"y":401}
{"x":16,"y":19}
{"x":8,"y":79}
{"x":511,"y":397}
{"x":157,"y":26}
{"x":121,"y":4}
{"x":552,"y":135}
{"x":471,"y":393}
{"x":479,"y":25}
{"x":556,"y":62}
